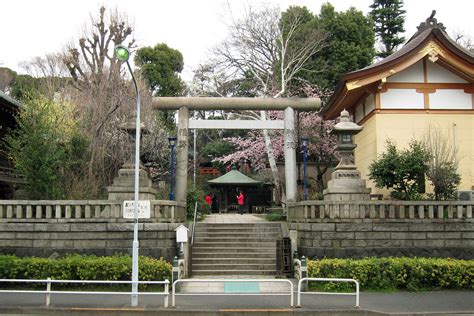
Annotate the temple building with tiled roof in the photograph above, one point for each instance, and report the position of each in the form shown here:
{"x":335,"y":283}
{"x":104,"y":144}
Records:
{"x":9,"y":178}
{"x":428,"y":83}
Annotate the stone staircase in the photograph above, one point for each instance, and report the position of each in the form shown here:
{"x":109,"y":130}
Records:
{"x":237,"y":249}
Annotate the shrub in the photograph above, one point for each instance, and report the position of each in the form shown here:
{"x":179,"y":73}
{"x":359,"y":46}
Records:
{"x":195,"y":195}
{"x":396,"y":273}
{"x":402,"y":171}
{"x":78,"y":267}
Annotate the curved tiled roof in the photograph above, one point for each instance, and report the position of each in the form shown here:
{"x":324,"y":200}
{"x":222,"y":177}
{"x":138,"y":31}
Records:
{"x":6,"y":99}
{"x":234,"y":177}
{"x":426,"y":32}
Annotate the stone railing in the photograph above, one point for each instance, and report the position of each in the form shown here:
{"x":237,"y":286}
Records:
{"x":314,"y":211}
{"x":85,"y":210}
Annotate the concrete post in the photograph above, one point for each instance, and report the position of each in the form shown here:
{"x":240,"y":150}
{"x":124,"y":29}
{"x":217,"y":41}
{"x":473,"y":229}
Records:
{"x":182,"y":155}
{"x":290,"y":155}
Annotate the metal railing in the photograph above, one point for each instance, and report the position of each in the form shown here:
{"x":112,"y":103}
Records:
{"x":356,"y":293}
{"x":290,"y":292}
{"x":194,"y":223}
{"x":49,"y":282}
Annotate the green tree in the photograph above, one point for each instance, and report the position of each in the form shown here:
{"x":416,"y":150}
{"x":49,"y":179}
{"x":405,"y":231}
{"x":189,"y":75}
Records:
{"x":48,"y":150}
{"x":389,"y":20}
{"x":403,"y":171}
{"x":350,"y":45}
{"x":24,"y":87}
{"x":160,"y":66}
{"x":7,"y":77}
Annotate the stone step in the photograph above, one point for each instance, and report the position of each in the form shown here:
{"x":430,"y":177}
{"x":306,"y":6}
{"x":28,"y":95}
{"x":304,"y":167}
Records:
{"x":232,"y":267}
{"x":216,"y":284}
{"x":235,"y":243}
{"x":238,"y":240}
{"x":198,"y":250}
{"x":260,"y":224}
{"x":251,"y":260}
{"x":237,"y":229}
{"x":234,"y":272}
{"x":230,"y":234}
{"x":233,"y":255}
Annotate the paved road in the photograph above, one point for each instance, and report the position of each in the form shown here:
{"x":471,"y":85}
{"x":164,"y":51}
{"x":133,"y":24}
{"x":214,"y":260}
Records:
{"x":461,"y":302}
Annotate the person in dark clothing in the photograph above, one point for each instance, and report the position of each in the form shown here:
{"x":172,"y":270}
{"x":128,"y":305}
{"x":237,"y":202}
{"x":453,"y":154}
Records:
{"x":214,"y":205}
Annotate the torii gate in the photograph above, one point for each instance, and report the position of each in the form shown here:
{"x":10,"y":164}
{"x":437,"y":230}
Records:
{"x":184,"y":104}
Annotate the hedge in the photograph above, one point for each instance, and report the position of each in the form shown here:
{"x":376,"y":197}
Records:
{"x":412,"y":274}
{"x":79,"y":267}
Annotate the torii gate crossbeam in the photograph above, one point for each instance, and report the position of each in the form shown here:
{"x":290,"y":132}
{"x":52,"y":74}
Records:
{"x":184,"y":104}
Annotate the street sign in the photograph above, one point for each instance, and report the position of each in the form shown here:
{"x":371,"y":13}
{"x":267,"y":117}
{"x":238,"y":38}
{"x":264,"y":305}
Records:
{"x":143,"y":209}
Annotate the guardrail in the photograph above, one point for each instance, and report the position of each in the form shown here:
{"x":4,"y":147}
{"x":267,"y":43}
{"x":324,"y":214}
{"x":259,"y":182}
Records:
{"x":48,"y":290}
{"x":290,"y":293}
{"x":161,"y":210}
{"x":327,"y":293}
{"x":317,"y":210}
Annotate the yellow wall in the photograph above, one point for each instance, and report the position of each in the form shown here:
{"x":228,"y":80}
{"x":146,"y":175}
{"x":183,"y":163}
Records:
{"x":404,"y":127}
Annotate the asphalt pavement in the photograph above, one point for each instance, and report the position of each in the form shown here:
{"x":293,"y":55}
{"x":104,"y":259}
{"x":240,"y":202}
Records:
{"x":405,"y":303}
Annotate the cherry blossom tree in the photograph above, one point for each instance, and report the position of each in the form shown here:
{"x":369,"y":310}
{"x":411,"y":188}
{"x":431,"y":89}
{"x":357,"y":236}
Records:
{"x":268,"y":49}
{"x":320,"y":149}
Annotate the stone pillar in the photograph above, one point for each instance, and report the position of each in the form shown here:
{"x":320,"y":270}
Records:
{"x":290,"y":155}
{"x":182,"y":155}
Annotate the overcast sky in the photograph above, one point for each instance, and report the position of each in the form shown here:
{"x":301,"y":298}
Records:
{"x":32,"y":28}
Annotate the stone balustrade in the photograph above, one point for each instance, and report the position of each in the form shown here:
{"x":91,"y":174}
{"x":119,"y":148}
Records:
{"x":85,"y":210}
{"x":319,"y":211}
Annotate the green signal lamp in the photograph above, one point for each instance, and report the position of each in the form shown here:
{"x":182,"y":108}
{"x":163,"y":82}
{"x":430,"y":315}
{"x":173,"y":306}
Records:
{"x":122,"y":53}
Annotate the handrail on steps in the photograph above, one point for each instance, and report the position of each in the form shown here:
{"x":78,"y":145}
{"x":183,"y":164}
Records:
{"x":194,"y":222}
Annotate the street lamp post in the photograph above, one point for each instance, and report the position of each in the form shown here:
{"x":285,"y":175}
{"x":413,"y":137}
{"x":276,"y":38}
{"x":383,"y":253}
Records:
{"x":123,"y":55}
{"x":304,"y":142}
{"x":172,"y":141}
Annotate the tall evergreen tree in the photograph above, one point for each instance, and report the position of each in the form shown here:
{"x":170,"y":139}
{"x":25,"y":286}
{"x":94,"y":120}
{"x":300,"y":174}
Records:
{"x":160,"y":66}
{"x":389,"y":20}
{"x":349,"y":45}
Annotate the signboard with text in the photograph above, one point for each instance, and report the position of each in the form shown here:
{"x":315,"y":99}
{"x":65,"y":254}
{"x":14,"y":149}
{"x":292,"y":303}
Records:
{"x":143,"y":209}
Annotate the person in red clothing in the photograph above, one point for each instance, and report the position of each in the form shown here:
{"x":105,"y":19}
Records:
{"x":240,"y":201}
{"x":208,"y":199}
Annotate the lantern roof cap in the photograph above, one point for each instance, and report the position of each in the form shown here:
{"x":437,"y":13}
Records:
{"x":345,"y":124}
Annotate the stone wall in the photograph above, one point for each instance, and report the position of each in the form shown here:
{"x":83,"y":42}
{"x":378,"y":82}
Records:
{"x":342,"y":239}
{"x":42,"y":228}
{"x":102,"y":239}
{"x":383,"y":228}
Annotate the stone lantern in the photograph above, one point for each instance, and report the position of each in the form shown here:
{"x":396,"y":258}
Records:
{"x":129,"y":127}
{"x":123,"y":185}
{"x":345,"y":130}
{"x":346,"y":183}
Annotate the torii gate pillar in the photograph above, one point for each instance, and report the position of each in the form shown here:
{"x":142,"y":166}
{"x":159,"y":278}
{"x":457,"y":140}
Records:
{"x":182,"y":155}
{"x":290,"y":155}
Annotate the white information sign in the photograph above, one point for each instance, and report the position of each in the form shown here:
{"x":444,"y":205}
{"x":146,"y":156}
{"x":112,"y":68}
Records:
{"x":143,"y":209}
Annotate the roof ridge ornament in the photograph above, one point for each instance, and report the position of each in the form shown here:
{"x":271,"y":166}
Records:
{"x":433,"y":50}
{"x":431,"y":22}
